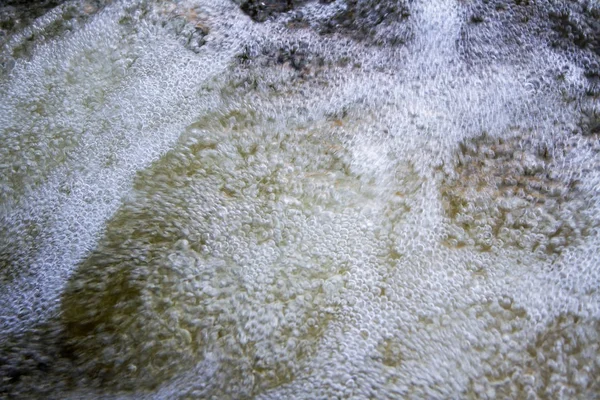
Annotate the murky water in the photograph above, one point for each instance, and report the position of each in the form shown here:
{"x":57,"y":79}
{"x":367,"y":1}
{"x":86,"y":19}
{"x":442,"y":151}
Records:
{"x":330,"y":201}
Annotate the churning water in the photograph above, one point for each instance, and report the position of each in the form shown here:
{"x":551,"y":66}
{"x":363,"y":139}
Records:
{"x":301,"y":200}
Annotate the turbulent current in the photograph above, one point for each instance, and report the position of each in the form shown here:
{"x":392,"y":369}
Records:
{"x":351,"y":199}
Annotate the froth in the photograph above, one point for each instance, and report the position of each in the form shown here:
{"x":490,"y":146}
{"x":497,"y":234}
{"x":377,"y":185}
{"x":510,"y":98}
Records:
{"x":197,"y":205}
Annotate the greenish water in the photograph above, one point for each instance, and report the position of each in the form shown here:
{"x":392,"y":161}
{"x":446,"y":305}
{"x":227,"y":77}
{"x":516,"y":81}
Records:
{"x":194,"y":204}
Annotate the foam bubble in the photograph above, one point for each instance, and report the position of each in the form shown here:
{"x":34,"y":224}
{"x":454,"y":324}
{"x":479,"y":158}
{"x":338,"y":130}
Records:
{"x":198,"y":205}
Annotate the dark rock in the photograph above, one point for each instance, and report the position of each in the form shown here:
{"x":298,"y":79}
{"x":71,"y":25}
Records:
{"x":296,"y":55}
{"x":18,"y":14}
{"x":261,"y":10}
{"x":378,"y":22}
{"x":364,"y":20}
{"x":13,"y":375}
{"x":590,"y":122}
{"x":35,"y":356}
{"x":501,"y":29}
{"x":17,"y":40}
{"x":477,"y":18}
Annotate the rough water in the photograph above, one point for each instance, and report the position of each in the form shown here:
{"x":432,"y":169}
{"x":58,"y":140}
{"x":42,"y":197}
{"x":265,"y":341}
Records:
{"x":301,"y":200}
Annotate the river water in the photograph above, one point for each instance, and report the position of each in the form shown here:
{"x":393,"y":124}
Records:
{"x":349,"y":200}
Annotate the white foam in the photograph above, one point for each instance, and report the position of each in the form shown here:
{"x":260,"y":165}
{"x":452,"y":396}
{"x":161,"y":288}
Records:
{"x":289,"y":232}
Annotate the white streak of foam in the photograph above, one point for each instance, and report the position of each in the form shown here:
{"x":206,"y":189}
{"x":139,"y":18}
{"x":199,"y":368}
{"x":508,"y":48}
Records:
{"x":143,"y":117}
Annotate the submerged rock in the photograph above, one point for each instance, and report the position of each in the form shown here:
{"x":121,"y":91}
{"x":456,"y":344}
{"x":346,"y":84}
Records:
{"x":195,"y":204}
{"x":500,"y":196}
{"x":261,"y":10}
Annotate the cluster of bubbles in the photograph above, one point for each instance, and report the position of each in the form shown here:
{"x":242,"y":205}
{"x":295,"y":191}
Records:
{"x":511,"y":192}
{"x":290,"y":199}
{"x":228,"y":253}
{"x":504,"y":30}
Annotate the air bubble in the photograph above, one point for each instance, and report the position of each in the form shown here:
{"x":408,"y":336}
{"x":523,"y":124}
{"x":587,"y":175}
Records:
{"x":199,"y":205}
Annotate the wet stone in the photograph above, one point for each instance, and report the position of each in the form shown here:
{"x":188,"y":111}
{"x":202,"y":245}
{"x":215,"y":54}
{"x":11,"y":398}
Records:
{"x":262,"y":10}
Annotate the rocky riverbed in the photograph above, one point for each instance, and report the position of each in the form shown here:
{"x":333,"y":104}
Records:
{"x":299,"y":199}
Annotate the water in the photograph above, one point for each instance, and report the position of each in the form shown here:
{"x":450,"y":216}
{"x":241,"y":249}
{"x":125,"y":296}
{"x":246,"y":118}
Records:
{"x":197,"y":205}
